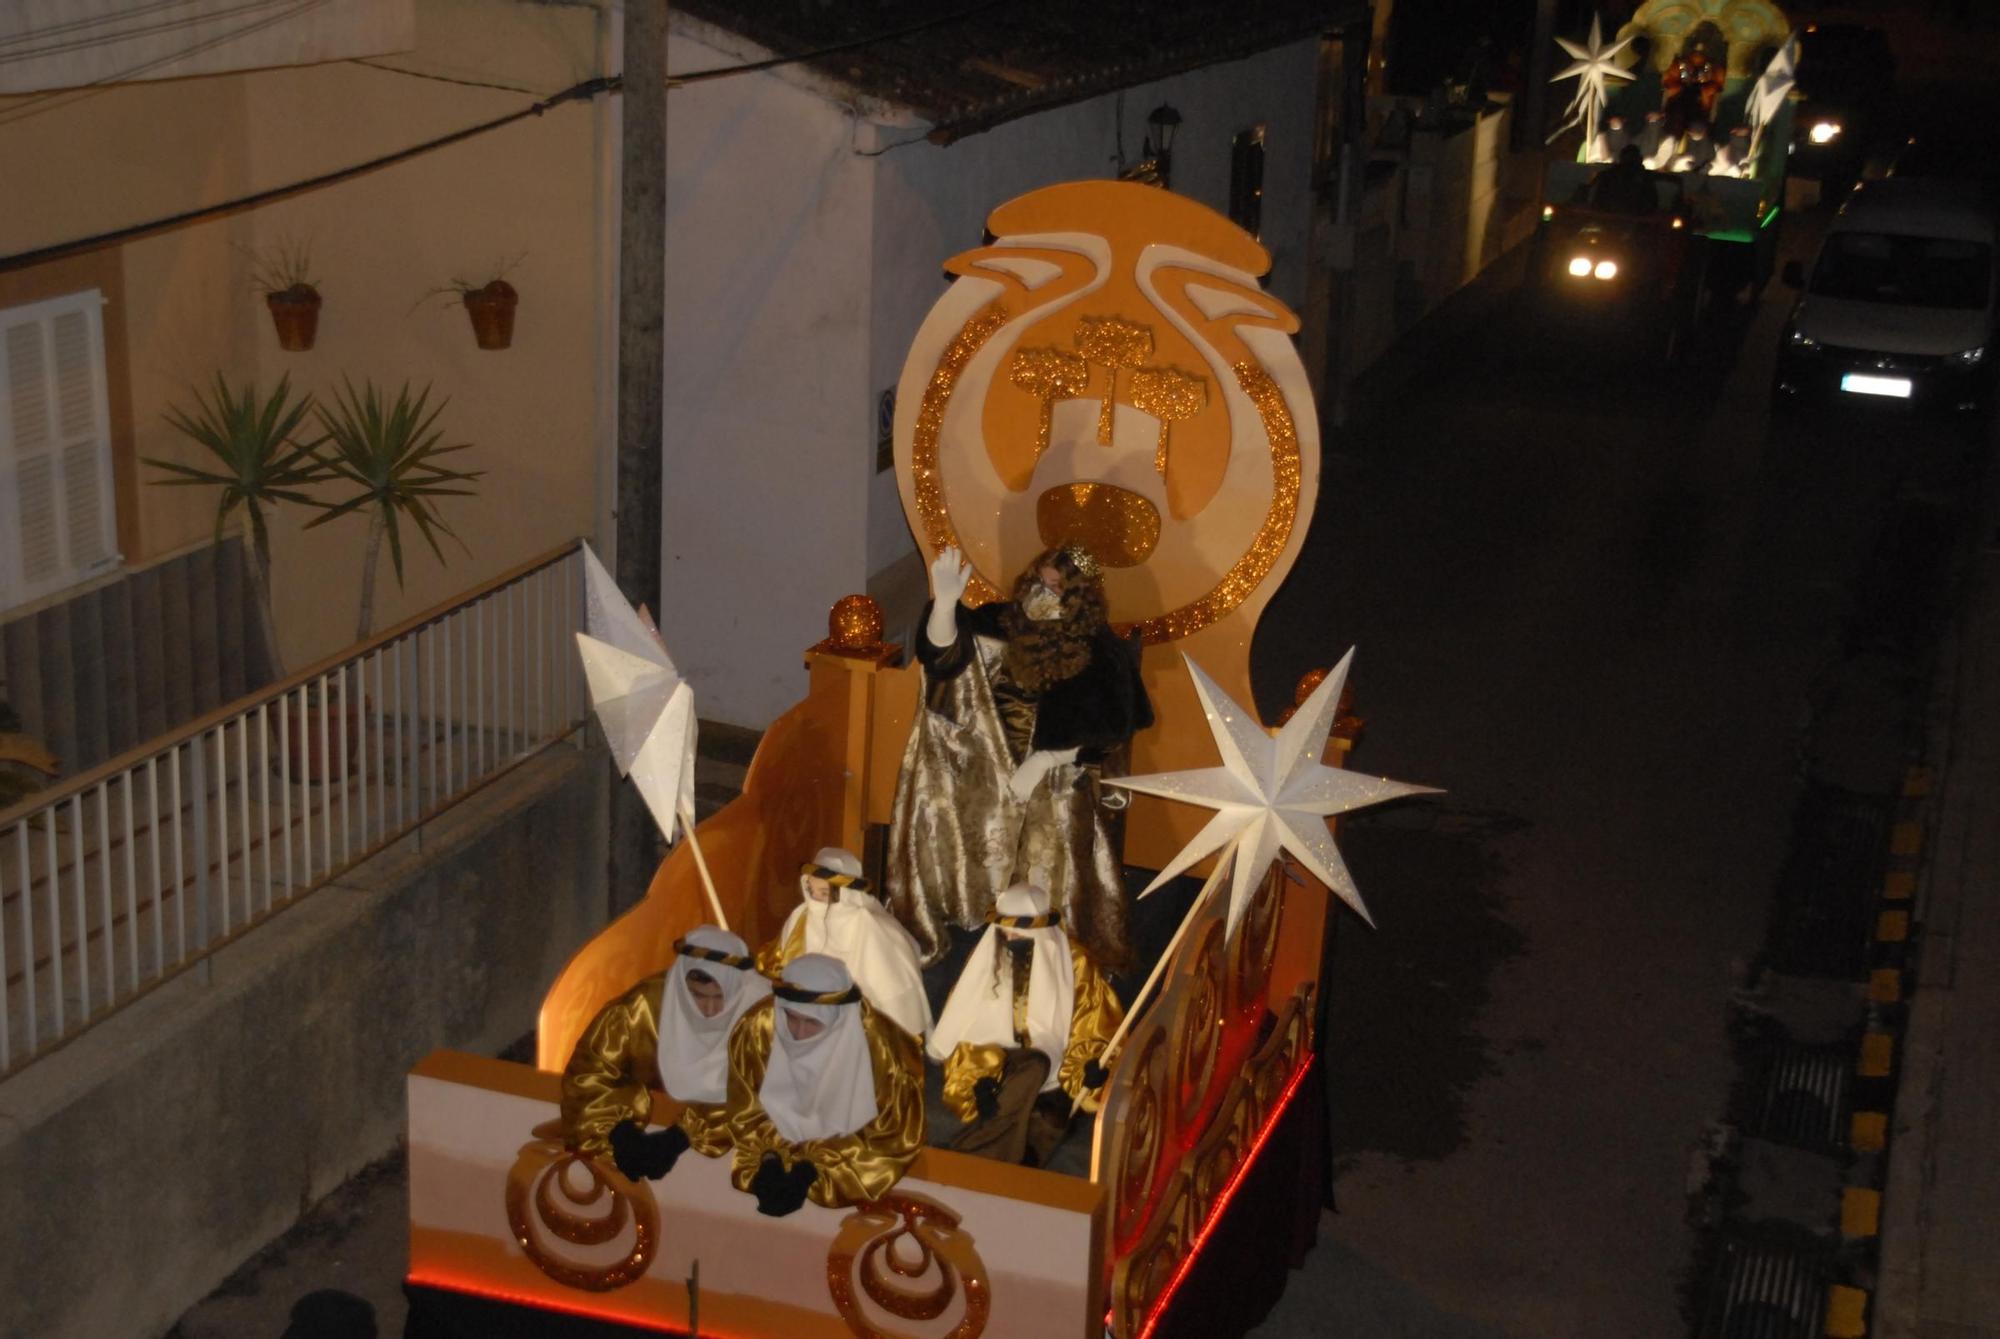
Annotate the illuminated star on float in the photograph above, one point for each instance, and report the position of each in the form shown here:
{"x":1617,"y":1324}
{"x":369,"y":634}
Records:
{"x":1272,"y":792}
{"x":1593,"y":66}
{"x":645,"y":707}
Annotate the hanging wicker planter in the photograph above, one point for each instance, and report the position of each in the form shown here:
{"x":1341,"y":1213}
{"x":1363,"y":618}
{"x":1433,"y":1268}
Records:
{"x":295,"y":312}
{"x":492,"y":312}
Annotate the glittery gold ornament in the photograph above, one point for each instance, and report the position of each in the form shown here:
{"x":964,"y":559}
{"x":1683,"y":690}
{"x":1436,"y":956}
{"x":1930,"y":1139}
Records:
{"x":1308,"y":681}
{"x":854,"y":624}
{"x":1115,"y":526}
{"x":1112,"y":343}
{"x":1049,"y":375}
{"x":1171,"y":396}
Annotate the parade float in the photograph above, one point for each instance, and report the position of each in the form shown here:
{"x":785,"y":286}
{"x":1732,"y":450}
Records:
{"x":1106,"y":378}
{"x":1702,"y":90}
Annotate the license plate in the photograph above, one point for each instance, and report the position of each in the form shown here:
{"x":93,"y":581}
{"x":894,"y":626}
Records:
{"x":1859,"y":383}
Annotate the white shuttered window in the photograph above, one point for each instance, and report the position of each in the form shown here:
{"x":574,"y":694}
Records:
{"x":56,"y":501}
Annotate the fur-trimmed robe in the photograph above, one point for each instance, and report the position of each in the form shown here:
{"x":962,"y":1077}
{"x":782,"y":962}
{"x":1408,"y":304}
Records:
{"x":958,"y":837}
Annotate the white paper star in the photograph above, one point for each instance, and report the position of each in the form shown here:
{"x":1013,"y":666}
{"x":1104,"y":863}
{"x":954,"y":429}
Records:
{"x":1593,"y":66}
{"x":1273,"y":791}
{"x":645,"y":707}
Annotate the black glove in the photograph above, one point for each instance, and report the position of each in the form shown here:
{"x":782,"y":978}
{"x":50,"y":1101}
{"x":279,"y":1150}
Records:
{"x":986,"y":1097}
{"x":1094,"y":1074}
{"x":778,"y":1191}
{"x":640,"y":1153}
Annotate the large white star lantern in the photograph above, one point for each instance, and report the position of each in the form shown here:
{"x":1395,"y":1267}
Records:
{"x":645,"y":707}
{"x":1593,"y":66}
{"x":1271,"y":793}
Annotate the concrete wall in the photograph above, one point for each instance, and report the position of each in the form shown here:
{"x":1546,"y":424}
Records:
{"x":141,"y":1164}
{"x":533,"y":413}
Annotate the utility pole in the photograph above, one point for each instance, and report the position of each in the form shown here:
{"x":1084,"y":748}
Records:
{"x":1534,"y":106}
{"x":642,"y":300}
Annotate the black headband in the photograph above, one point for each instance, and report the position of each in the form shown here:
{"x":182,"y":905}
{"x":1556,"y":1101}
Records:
{"x":785,"y":990}
{"x":1041,"y":922}
{"x":742,"y":962}
{"x":834,"y":877}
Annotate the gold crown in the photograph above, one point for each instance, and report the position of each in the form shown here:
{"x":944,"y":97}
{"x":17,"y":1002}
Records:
{"x":1084,"y":560}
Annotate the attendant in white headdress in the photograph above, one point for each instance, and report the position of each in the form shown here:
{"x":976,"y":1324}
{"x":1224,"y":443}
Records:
{"x":826,"y":1096}
{"x":1024,"y":1030}
{"x":838,"y":915}
{"x":671,"y":1031}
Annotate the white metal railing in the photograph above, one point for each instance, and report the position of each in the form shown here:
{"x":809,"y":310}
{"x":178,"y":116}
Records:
{"x":115,"y":880}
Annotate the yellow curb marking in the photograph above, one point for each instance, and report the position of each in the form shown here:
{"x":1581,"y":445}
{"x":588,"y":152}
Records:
{"x":1846,"y":1312}
{"x":1906,"y":838}
{"x":1892,"y":927}
{"x":1899,"y":886}
{"x":1917,"y":781}
{"x":1877,"y":1050}
{"x":1860,"y":1212}
{"x":1868,"y":1131}
{"x":1885,"y":985}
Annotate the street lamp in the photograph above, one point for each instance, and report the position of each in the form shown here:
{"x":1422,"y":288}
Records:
{"x":1162,"y":122}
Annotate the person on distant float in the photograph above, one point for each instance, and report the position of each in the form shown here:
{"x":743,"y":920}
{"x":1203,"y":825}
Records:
{"x":1625,"y":187}
{"x":1611,"y":140}
{"x":1652,"y":139}
{"x":1732,"y":158}
{"x":1022,"y":1036}
{"x":839,"y":916}
{"x":1027,"y":703}
{"x":671,"y":1031}
{"x":826,"y":1096}
{"x":1697,"y":153}
{"x":1690,"y":88}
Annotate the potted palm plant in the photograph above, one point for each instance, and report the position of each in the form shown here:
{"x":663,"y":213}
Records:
{"x":283,"y":274}
{"x":255,"y":463}
{"x":388,"y":454}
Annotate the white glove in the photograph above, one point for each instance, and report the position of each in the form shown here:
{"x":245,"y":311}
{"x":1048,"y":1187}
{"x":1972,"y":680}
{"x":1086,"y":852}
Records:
{"x":1034,"y":767}
{"x":950,"y":575}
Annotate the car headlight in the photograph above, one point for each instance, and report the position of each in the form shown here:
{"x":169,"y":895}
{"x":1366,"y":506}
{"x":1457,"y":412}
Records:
{"x":1606,"y":269}
{"x":1580,"y":266}
{"x":1824,"y":132}
{"x":1967,"y":357}
{"x":1799,"y":339}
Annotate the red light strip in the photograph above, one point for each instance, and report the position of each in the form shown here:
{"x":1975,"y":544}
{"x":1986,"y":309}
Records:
{"x":530,"y":1301}
{"x":1222,"y":1202}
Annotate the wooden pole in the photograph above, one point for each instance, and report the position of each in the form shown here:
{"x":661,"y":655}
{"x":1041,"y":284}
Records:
{"x":701,"y":864}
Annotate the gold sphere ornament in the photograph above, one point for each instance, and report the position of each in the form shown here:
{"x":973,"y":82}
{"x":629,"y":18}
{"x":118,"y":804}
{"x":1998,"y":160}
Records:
{"x":1308,"y":681}
{"x":854,"y":624}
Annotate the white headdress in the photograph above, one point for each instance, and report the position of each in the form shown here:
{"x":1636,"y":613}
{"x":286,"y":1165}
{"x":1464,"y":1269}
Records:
{"x":694,"y":1049}
{"x":824,"y":1085}
{"x":981,"y":1007}
{"x":858,"y":930}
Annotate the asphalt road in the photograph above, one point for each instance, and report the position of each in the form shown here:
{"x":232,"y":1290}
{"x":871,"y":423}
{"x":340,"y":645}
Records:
{"x":1595,"y":602}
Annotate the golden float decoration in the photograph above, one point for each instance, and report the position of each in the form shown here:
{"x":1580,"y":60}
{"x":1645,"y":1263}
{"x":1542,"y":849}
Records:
{"x":866,"y":1246}
{"x":541,"y":1171}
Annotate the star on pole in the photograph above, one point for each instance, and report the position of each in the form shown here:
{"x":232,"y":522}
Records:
{"x":1593,"y":66}
{"x":1273,"y":792}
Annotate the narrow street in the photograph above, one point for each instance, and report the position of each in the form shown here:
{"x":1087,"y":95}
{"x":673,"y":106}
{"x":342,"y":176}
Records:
{"x":1624,"y":629}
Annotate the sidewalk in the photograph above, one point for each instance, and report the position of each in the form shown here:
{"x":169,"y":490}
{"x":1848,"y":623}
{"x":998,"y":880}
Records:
{"x":1940,"y":1268}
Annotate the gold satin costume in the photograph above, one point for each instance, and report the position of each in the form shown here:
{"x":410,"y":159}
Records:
{"x":958,"y":837}
{"x":613,"y":1071}
{"x":773,"y":956}
{"x":852,"y":1167}
{"x":1094,"y":1015}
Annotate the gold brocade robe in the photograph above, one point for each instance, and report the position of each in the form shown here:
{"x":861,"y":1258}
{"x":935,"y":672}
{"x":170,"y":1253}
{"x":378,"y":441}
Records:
{"x":852,"y":1167}
{"x":613,"y":1071}
{"x":773,"y":956}
{"x":958,"y":838}
{"x":1094,"y":1015}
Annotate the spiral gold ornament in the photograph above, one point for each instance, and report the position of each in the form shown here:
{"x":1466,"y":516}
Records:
{"x":542,"y":1171}
{"x":866,"y":1246}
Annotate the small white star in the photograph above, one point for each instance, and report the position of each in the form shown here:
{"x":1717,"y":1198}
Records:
{"x":1271,"y":793}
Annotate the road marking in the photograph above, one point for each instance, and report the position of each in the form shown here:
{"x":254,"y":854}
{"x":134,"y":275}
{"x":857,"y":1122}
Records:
{"x":1846,"y":1312}
{"x":1868,"y":1131}
{"x":1899,"y":885}
{"x":1860,"y":1212}
{"x":1885,"y":986}
{"x":1892,"y":927}
{"x":1907,"y":838}
{"x":1878,"y":1051}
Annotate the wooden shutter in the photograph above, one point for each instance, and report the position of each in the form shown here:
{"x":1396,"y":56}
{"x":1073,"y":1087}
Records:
{"x":55,"y":448}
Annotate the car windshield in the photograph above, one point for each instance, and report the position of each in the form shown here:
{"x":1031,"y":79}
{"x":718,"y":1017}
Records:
{"x":1908,"y":271}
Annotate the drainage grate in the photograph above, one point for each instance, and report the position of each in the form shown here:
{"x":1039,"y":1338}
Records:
{"x":1805,"y":1098}
{"x":1823,"y":913}
{"x":1765,"y":1292}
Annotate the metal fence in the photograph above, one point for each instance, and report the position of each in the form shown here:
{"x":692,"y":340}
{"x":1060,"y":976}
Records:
{"x":115,"y":880}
